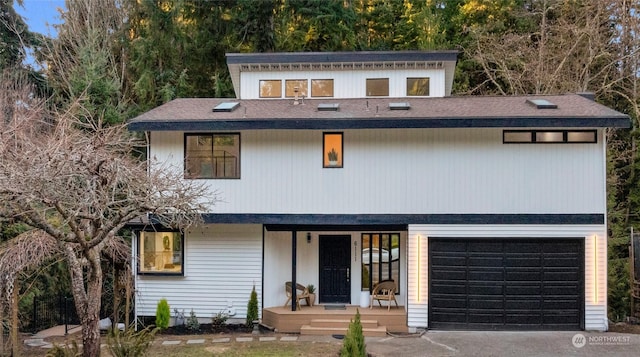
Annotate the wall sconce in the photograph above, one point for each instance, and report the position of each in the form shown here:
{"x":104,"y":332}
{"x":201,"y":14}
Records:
{"x":308,"y":237}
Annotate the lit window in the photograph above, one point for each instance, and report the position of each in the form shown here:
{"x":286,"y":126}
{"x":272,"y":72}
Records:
{"x":292,"y":85}
{"x":418,"y":86}
{"x":322,"y":87}
{"x":212,"y":156}
{"x":377,"y":87}
{"x":160,"y":253}
{"x":270,"y":89}
{"x":332,"y":150}
{"x":380,"y":259}
{"x":549,"y":136}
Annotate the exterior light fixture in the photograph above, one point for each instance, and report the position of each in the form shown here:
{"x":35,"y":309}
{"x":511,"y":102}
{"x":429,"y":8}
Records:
{"x":308,"y":237}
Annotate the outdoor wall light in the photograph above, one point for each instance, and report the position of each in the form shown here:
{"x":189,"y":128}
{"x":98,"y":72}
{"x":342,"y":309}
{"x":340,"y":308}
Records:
{"x":308,"y":237}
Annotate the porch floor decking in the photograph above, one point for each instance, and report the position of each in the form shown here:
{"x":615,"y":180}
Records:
{"x":315,"y":320}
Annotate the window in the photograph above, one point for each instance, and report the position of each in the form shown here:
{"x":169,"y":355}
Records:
{"x":549,"y":136}
{"x":270,"y":89}
{"x":212,"y":156}
{"x":290,"y":86}
{"x":332,"y":150}
{"x":418,"y":86}
{"x":322,"y":87}
{"x":377,"y":87}
{"x":380,"y":258}
{"x":160,"y":253}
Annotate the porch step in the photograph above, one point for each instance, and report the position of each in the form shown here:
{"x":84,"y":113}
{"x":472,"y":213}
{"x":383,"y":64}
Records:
{"x":340,"y":326}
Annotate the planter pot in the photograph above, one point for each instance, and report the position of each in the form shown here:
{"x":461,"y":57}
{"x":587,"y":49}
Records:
{"x":311,"y":300}
{"x":333,"y":163}
{"x":364,"y":298}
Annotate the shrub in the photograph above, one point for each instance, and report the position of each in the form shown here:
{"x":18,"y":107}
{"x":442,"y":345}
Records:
{"x":67,"y":351}
{"x":252,"y":308}
{"x":353,"y":345}
{"x":163,"y":314}
{"x":192,"y":322}
{"x":218,"y":320}
{"x":130,"y":343}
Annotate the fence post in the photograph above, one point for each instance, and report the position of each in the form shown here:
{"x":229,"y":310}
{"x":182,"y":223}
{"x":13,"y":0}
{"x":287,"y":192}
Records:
{"x":66,"y":318}
{"x":35,"y":314}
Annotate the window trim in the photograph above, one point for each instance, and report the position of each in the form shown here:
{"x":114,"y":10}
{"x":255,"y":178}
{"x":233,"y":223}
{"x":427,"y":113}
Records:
{"x":565,"y":136}
{"x":159,"y":272}
{"x":269,"y":80}
{"x":212,"y":134}
{"x":390,"y":263}
{"x":366,"y":87}
{"x":418,"y":95}
{"x":340,"y":161}
{"x":323,"y":96}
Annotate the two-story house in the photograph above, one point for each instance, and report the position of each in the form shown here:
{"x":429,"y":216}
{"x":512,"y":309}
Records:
{"x":345,"y":169}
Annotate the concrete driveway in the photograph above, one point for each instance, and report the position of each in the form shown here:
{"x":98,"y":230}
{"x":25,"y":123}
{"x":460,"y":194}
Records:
{"x":519,"y":344}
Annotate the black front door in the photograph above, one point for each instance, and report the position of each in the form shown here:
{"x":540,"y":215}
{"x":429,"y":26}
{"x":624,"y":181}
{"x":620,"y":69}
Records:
{"x":335,"y":272}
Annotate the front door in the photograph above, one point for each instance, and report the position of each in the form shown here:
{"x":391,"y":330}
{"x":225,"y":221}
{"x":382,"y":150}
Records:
{"x":335,"y":269}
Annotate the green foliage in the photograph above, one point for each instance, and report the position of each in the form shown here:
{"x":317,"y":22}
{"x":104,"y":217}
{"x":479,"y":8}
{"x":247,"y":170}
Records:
{"x":252,"y":308}
{"x":163,"y":314}
{"x":130,"y":343}
{"x":192,"y":322}
{"x":353,"y":345}
{"x":219,"y":320}
{"x":65,"y":351}
{"x":311,"y":289}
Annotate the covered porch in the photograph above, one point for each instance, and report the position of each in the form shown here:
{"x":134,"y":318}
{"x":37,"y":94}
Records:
{"x":334,"y":319}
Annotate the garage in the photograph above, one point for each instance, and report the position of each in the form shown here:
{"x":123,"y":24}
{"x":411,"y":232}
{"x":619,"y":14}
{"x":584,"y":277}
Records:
{"x":506,"y":284}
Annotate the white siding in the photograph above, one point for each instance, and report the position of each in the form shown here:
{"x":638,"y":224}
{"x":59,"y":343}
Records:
{"x":222,"y":264}
{"x":401,"y":171}
{"x":595,"y":267}
{"x":346,"y":84}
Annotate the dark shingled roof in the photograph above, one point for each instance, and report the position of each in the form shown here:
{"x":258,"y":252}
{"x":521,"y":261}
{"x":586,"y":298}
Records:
{"x":195,"y":114}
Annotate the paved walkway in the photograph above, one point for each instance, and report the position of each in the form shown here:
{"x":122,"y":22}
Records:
{"x":436,"y":343}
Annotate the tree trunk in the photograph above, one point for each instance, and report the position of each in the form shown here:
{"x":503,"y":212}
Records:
{"x":15,"y":347}
{"x":87,"y":300}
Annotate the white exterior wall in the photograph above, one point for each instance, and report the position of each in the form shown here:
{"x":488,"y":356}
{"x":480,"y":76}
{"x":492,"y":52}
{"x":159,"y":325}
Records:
{"x":346,"y":84}
{"x":403,"y":171}
{"x":277,"y":264}
{"x":222,"y":264}
{"x":595,"y":265}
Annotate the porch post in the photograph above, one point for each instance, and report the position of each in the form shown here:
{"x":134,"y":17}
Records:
{"x":294,"y":248}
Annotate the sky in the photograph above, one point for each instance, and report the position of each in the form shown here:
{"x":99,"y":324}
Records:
{"x":40,"y":14}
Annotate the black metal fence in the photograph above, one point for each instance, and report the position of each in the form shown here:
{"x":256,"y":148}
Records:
{"x":49,"y":311}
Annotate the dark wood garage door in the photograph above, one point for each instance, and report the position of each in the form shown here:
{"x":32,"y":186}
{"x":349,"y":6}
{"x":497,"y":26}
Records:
{"x":506,"y":284}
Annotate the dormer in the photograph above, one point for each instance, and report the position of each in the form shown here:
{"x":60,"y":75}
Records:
{"x":323,"y":75}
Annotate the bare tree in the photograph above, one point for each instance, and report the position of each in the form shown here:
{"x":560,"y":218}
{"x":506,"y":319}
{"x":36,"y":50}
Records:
{"x":80,"y":182}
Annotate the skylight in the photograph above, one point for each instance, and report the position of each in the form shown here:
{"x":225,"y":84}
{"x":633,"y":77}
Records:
{"x":399,"y":106}
{"x":226,"y":107}
{"x":542,"y":104}
{"x":328,"y":107}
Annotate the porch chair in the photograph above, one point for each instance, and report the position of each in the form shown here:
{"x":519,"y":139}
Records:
{"x":386,"y":291}
{"x":301,"y":293}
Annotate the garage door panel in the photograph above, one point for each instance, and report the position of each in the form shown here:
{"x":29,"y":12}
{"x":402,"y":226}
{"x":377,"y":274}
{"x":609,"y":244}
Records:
{"x":534,"y":284}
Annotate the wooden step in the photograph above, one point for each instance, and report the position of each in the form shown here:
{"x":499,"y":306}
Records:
{"x":341,"y":323}
{"x":379,"y":331}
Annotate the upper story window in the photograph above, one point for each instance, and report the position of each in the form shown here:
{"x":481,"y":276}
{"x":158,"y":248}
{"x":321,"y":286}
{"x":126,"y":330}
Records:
{"x":160,"y":252}
{"x":548,"y":136}
{"x":271,"y":88}
{"x":212,"y":156}
{"x":293,"y":85}
{"x":322,"y":87}
{"x":418,"y":86}
{"x":377,"y":87}
{"x":332,"y":150}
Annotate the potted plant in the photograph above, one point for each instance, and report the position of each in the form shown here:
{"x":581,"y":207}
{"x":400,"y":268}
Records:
{"x":312,"y":294}
{"x":333,"y":157}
